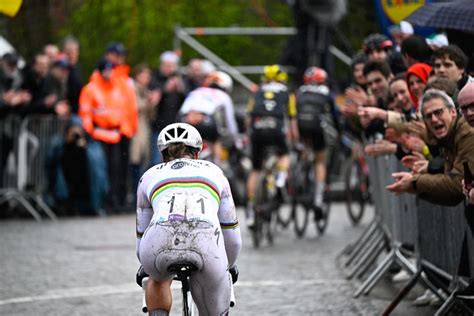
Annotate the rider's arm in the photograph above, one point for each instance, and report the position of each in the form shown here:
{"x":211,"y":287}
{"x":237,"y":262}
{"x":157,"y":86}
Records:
{"x":230,"y":225}
{"x":144,"y":214}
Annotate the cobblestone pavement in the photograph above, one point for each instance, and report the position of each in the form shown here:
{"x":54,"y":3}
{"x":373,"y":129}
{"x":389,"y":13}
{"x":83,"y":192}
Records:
{"x":86,"y":266}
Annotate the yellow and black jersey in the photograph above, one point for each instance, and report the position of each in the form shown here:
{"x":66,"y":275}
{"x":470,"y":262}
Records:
{"x":274,"y":100}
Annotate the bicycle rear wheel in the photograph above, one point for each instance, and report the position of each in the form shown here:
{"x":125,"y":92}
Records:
{"x":356,"y":191}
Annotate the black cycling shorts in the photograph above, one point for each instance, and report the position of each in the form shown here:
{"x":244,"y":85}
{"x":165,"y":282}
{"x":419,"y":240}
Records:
{"x":313,"y":134}
{"x":262,"y":141}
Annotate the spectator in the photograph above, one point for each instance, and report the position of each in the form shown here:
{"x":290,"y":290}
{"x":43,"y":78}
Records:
{"x":380,"y":48}
{"x":450,"y":62}
{"x":47,"y":89}
{"x":193,"y":78}
{"x":52,"y":52}
{"x":417,"y":76}
{"x":400,"y":32}
{"x":456,"y":138}
{"x":170,"y":85}
{"x":415,"y":50}
{"x":11,"y":80}
{"x":76,"y":169}
{"x":74,"y":81}
{"x":436,"y":41}
{"x":108,"y":117}
{"x":146,"y":104}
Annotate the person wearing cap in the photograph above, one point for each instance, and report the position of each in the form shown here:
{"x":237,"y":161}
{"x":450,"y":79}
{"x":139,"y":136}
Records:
{"x":379,"y":47}
{"x":107,"y":116}
{"x":169,"y":84}
{"x":399,"y":32}
{"x":417,"y":77}
{"x":437,"y":40}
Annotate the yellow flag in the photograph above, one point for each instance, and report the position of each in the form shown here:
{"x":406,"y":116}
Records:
{"x":10,"y":7}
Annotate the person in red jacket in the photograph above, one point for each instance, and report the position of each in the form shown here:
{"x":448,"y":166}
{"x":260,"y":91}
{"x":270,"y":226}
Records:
{"x":109,"y":115}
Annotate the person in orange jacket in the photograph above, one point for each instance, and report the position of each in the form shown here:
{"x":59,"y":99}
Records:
{"x":109,"y":113}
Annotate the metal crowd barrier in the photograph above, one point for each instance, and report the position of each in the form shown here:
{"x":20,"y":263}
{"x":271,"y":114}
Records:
{"x":25,"y":143}
{"x":401,"y":223}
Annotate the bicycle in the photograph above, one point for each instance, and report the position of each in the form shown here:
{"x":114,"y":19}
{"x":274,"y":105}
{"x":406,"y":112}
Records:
{"x":301,"y":187}
{"x":183,"y":271}
{"x":266,"y":202}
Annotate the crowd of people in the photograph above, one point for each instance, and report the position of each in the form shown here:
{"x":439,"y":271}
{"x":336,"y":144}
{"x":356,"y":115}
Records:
{"x":422,"y":111}
{"x":113,"y":118}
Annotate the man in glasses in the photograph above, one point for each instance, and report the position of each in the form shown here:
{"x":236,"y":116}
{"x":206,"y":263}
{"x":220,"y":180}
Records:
{"x":456,"y":138}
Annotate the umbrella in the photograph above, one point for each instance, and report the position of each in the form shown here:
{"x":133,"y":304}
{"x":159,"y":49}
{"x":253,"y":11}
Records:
{"x":455,"y":15}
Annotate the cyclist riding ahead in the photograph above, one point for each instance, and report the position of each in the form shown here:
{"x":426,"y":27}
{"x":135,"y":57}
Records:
{"x":315,"y":107}
{"x":210,"y":109}
{"x":186,"y":215}
{"x":270,"y":122}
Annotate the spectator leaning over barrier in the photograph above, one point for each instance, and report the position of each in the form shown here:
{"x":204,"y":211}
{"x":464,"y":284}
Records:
{"x":106,"y":113}
{"x":450,"y":62}
{"x":456,"y":138}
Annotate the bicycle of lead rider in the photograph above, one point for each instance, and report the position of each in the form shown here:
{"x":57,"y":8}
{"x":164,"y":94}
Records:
{"x":182,"y":273}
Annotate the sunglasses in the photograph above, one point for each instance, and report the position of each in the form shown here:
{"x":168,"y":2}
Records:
{"x":466,"y":108}
{"x":437,"y":113}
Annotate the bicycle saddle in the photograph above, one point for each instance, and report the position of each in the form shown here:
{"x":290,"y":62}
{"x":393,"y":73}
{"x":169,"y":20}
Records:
{"x":182,"y":268}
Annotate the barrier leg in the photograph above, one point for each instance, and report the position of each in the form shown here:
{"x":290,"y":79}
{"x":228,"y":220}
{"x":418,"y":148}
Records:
{"x":374,"y":239}
{"x":28,"y":206}
{"x":354,"y":247}
{"x":367,"y":286}
{"x":374,"y":247}
{"x":361,"y":243}
{"x":446,"y":307}
{"x":45,"y":208}
{"x":402,"y":293}
{"x":370,"y":261}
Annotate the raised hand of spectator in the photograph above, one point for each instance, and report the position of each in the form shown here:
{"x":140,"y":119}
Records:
{"x":418,"y":128}
{"x":392,"y":135}
{"x":50,"y":100}
{"x":403,"y":182}
{"x":420,"y":166}
{"x":368,"y":114}
{"x":381,"y":147}
{"x":349,"y":108}
{"x":409,"y":160}
{"x":62,"y":108}
{"x":357,"y":95}
{"x":413,"y":143}
{"x":174,"y":84}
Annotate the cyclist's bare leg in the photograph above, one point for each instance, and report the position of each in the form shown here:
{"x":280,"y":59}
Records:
{"x":251,"y":188}
{"x":319,"y":176}
{"x":158,"y":296}
{"x":283,"y":166}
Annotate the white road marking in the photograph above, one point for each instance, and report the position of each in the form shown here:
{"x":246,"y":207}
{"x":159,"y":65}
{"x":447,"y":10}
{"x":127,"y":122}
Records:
{"x":132,"y":288}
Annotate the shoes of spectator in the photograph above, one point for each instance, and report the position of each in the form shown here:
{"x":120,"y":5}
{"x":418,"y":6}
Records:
{"x":465,"y":294}
{"x":424,"y":299}
{"x":435,"y":300}
{"x":401,"y":276}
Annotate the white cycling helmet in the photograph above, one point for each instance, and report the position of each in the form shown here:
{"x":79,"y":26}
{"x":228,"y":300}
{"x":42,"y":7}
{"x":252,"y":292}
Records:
{"x":179,"y":133}
{"x":219,"y":79}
